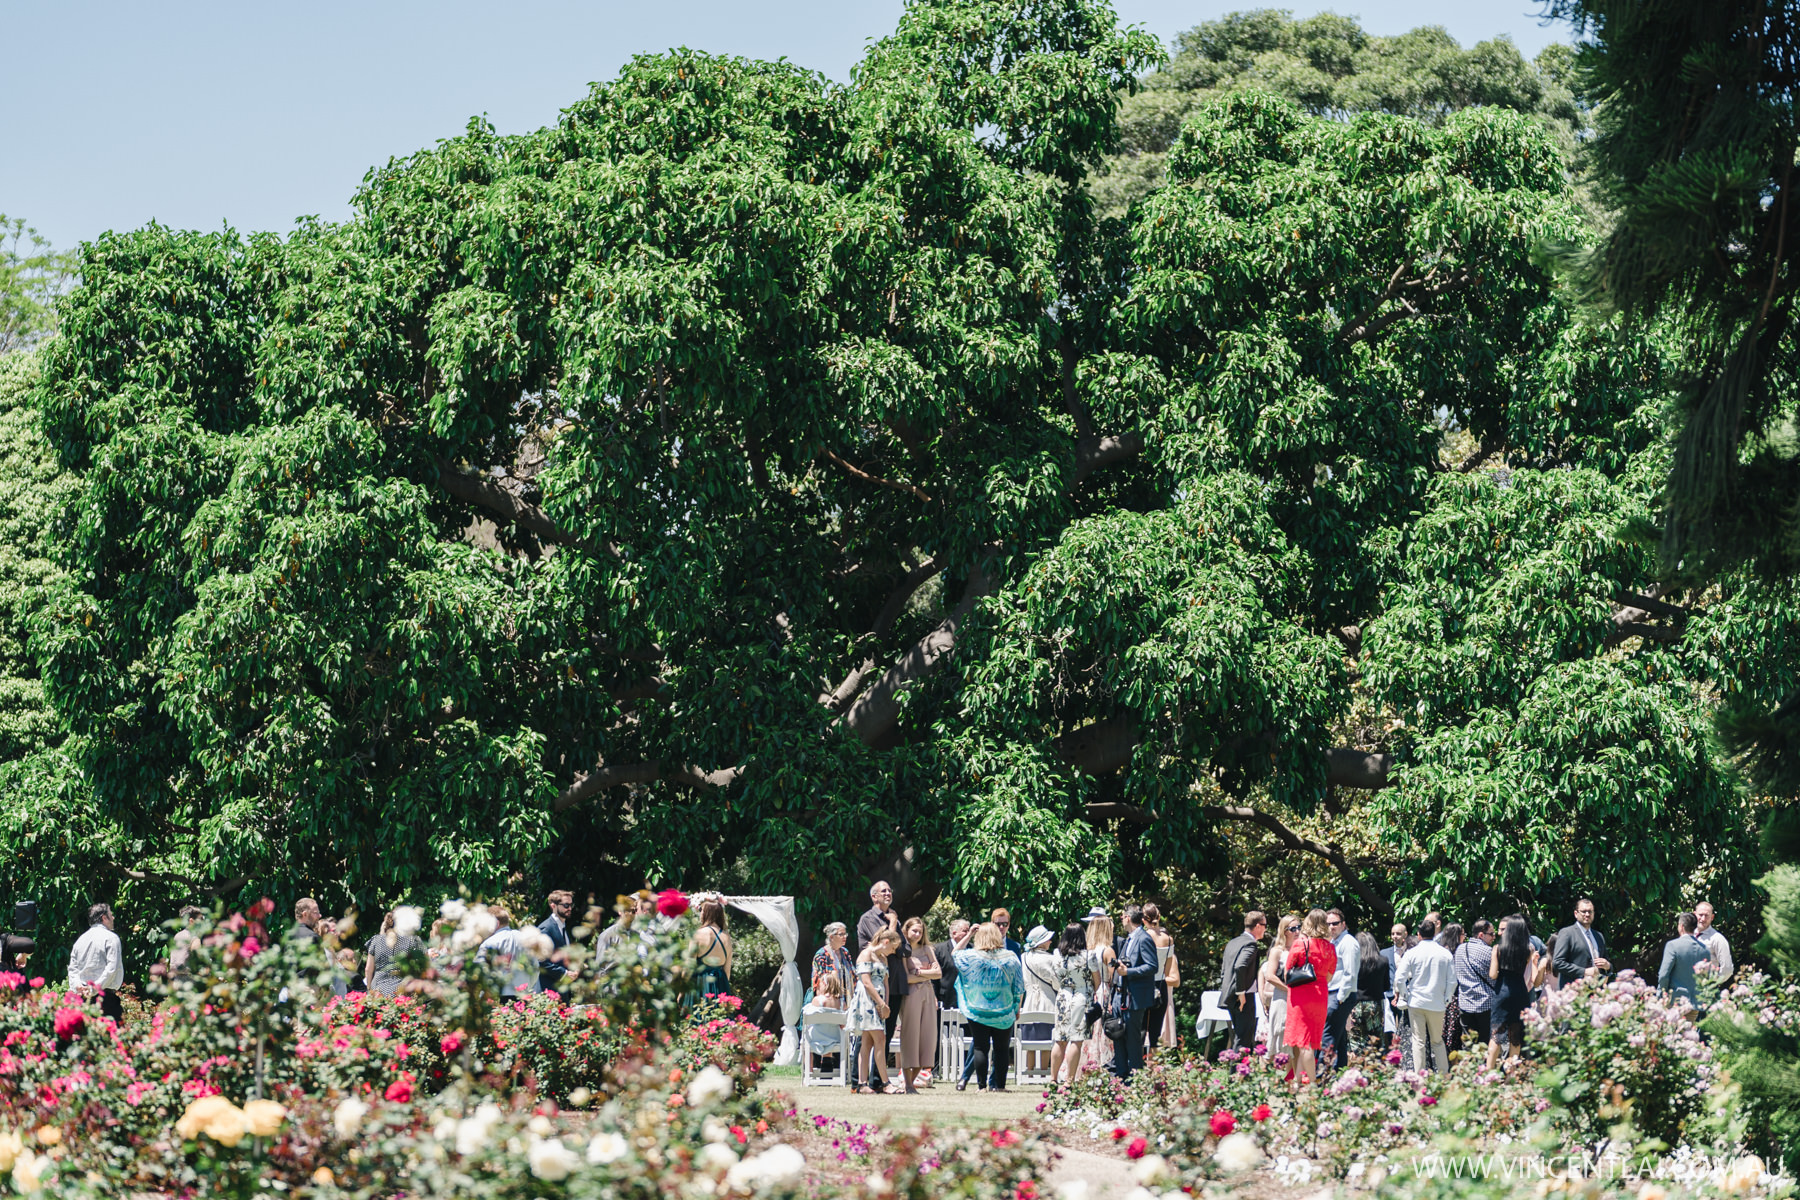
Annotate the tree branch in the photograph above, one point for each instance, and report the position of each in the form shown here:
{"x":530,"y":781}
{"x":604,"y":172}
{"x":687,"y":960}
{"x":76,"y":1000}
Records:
{"x":1092,"y":453}
{"x":875,"y":718}
{"x":485,"y":493}
{"x":588,"y":783}
{"x":1379,"y":906}
{"x":859,"y":473}
{"x":890,"y":612}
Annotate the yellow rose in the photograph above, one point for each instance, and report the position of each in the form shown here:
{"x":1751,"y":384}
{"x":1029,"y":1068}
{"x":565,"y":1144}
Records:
{"x":263,"y":1117}
{"x":48,"y":1135}
{"x":216,"y":1117}
{"x":227,"y":1126}
{"x":323,"y":1177}
{"x":11,"y":1144}
{"x":198,"y":1114}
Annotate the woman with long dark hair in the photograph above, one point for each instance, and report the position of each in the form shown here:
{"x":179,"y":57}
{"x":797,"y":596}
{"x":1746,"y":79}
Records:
{"x":1516,"y":969}
{"x":712,"y":945}
{"x":1076,"y":975}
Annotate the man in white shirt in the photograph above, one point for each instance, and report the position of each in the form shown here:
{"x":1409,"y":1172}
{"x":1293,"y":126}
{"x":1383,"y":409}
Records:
{"x":1335,"y":1052}
{"x":1717,"y":948}
{"x":98,"y":961}
{"x":510,"y":952}
{"x":1422,"y":985}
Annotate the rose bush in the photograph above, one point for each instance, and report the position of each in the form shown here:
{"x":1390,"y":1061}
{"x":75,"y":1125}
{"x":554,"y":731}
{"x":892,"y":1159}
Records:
{"x":1619,"y":1049}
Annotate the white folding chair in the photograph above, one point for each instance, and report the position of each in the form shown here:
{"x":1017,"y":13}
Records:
{"x":1031,"y":1056}
{"x":811,"y":1076}
{"x":953,"y":1044}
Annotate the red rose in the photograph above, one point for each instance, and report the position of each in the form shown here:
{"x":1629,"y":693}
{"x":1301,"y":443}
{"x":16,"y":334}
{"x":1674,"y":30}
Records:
{"x":671,"y":903}
{"x":1223,"y":1123}
{"x":1026,"y":1191}
{"x":451,"y":1042}
{"x":399,"y":1091}
{"x":262,"y":908}
{"x":1004,"y":1137}
{"x":1261,"y":1113}
{"x":1137,"y":1148}
{"x":69,"y":1022}
{"x":1119,"y":1135}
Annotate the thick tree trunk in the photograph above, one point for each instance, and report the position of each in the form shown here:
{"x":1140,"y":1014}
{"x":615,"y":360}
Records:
{"x":875,"y":717}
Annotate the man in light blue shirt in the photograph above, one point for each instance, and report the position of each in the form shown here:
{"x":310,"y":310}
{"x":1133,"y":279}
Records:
{"x":1342,"y":1002}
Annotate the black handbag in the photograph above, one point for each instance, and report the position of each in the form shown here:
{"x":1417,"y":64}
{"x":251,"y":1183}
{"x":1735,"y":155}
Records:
{"x":1303,"y":974}
{"x":1115,"y":1026}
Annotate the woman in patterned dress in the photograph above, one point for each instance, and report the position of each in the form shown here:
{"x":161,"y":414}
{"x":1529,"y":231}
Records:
{"x":1075,"y":977}
{"x":869,"y":1008}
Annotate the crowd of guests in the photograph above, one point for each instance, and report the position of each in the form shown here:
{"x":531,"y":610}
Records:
{"x":1097,"y":993}
{"x":1431,"y":991}
{"x":528,"y":958}
{"x":1062,"y":988}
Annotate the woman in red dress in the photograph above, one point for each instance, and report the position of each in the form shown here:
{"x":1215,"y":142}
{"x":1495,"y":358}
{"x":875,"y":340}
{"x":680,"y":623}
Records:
{"x":1306,"y":1002}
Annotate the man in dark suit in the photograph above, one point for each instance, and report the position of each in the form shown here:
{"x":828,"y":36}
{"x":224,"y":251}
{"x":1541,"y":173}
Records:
{"x":1135,"y":973}
{"x":553,"y":970}
{"x":1579,"y":950}
{"x":944,"y":951}
{"x":1237,"y":979}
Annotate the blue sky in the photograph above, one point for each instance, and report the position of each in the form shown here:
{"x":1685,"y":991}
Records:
{"x":252,"y":114}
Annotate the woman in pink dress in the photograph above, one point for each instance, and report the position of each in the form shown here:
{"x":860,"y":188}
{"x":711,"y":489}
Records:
{"x":1307,"y":1001}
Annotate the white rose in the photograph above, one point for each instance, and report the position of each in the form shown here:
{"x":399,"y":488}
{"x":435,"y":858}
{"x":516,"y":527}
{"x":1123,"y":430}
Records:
{"x":1238,"y":1152}
{"x":29,"y":1171}
{"x":452,"y":910}
{"x":714,"y":1130}
{"x":445,"y":1129}
{"x":1074,"y":1189}
{"x":779,"y":1166}
{"x":541,"y":1126}
{"x":879,"y":1184}
{"x":537,"y":943}
{"x":1139,"y":1193}
{"x":472,"y":1133}
{"x":479,"y":923}
{"x":407,"y":920}
{"x":550,"y":1159}
{"x":1149,"y":1169}
{"x":709,"y":1087}
{"x":607,"y":1148}
{"x":580,"y":1097}
{"x":347,"y":1118}
{"x":716,"y":1157}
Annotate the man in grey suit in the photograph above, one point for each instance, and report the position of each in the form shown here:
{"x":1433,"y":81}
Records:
{"x":1135,"y":974}
{"x":1579,"y":950}
{"x":1683,"y":954}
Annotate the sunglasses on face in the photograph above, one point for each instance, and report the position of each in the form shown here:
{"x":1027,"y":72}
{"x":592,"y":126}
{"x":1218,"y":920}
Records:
{"x":1293,"y":929}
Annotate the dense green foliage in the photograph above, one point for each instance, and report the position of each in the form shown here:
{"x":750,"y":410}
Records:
{"x":1696,"y":137}
{"x":1330,"y":66}
{"x":751,"y":477}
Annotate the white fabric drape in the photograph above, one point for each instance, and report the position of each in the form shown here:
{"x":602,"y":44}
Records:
{"x":777,"y":916}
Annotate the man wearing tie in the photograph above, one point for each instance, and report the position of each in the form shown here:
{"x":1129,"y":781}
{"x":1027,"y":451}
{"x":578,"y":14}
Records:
{"x":1579,"y":950}
{"x":1135,"y":973}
